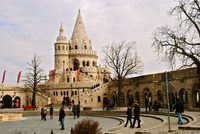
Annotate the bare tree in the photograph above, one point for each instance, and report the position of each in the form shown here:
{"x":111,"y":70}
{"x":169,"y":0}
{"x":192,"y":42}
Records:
{"x":34,"y":76}
{"x":180,"y":45}
{"x":122,"y":58}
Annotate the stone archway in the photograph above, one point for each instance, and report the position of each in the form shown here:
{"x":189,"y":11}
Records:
{"x":183,"y":96}
{"x":7,"y":101}
{"x":147,"y":97}
{"x":196,"y":98}
{"x":17,"y":102}
{"x":114,"y":98}
{"x":137,"y":96}
{"x":160,"y":96}
{"x":129,"y":98}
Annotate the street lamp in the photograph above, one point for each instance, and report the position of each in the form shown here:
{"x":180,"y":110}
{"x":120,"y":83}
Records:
{"x":71,"y":90}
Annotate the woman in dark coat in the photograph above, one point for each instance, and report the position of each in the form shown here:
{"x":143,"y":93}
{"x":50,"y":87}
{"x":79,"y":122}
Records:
{"x":129,"y":115}
{"x":61,"y":118}
{"x":136,"y":114}
{"x":51,"y":112}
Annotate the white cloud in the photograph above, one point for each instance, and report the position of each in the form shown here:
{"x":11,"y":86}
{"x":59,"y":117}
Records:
{"x":32,"y":26}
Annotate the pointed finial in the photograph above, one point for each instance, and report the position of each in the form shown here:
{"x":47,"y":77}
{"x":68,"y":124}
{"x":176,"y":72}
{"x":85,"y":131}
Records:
{"x":79,"y":11}
{"x":61,"y":26}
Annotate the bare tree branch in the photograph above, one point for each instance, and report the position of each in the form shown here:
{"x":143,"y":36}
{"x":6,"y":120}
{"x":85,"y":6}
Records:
{"x":122,"y":58}
{"x":180,"y":45}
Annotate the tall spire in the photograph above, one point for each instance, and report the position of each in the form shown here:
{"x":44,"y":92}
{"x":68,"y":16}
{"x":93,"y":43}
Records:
{"x":79,"y":29}
{"x":61,"y":36}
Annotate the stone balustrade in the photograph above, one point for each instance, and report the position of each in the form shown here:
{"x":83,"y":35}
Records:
{"x":10,"y":117}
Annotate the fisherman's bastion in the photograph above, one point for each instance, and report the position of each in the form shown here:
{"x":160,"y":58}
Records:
{"x":77,"y":75}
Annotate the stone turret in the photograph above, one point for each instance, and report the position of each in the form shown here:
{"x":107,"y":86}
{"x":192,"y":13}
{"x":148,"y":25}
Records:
{"x":61,"y":51}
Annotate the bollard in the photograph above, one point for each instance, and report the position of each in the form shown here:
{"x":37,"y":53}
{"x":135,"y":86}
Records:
{"x":72,"y":130}
{"x":52,"y":132}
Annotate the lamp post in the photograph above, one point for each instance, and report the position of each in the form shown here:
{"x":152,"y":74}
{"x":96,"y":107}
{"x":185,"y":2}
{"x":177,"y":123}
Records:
{"x":71,"y":90}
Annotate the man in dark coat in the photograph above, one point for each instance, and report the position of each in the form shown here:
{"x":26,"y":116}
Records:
{"x":179,"y":110}
{"x":136,"y":114}
{"x":78,"y":111}
{"x":129,"y":115}
{"x":51,"y":112}
{"x":61,"y":118}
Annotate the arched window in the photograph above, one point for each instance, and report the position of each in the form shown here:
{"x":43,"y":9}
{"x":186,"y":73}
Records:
{"x":58,"y":47}
{"x":67,"y":79}
{"x":99,"y":99}
{"x":76,"y":47}
{"x":67,"y":93}
{"x":85,"y":47}
{"x":83,"y":63}
{"x":61,"y":93}
{"x":88,"y":63}
{"x":75,"y":92}
{"x":63,"y":47}
{"x":94,"y":63}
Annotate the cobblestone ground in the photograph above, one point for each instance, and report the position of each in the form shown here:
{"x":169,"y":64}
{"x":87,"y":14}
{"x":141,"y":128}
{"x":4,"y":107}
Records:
{"x":153,"y":123}
{"x":33,"y":124}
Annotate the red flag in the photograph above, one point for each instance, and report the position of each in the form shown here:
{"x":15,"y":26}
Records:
{"x":53,"y":75}
{"x":3,"y":78}
{"x":77,"y":74}
{"x":19,"y":76}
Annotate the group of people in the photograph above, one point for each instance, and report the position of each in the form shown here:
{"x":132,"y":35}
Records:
{"x":179,"y":107}
{"x":136,"y":111}
{"x":155,"y":107}
{"x":44,"y":113}
{"x":67,"y":102}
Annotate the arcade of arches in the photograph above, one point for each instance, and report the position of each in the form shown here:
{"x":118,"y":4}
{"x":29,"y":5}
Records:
{"x":149,"y":88}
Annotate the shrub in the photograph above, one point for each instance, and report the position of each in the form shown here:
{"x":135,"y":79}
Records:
{"x":87,"y":126}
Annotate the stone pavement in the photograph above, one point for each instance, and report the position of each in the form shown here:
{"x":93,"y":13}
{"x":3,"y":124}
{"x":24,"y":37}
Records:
{"x":152,"y":122}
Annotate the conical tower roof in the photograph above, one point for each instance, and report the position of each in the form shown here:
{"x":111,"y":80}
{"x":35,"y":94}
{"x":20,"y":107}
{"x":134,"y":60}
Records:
{"x":61,"y":37}
{"x":79,"y":32}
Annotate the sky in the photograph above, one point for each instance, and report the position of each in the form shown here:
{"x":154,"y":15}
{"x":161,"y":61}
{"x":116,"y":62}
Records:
{"x":28,"y":27}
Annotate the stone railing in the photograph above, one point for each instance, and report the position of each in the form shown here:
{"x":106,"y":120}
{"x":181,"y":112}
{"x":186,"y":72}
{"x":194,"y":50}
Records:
{"x":10,"y":117}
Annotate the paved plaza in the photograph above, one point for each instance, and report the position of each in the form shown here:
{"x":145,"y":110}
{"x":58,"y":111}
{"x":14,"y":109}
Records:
{"x":152,"y":122}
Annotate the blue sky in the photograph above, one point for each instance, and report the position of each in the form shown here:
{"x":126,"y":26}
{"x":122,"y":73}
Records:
{"x":28,"y":27}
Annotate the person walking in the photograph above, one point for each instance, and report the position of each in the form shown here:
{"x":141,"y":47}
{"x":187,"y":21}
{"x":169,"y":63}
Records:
{"x":44,"y":113}
{"x":146,"y":103}
{"x":61,"y":118}
{"x":63,"y":103}
{"x":129,"y":115}
{"x":74,"y":110}
{"x":136,"y":114}
{"x":179,"y":107}
{"x":51,"y":112}
{"x":78,"y":111}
